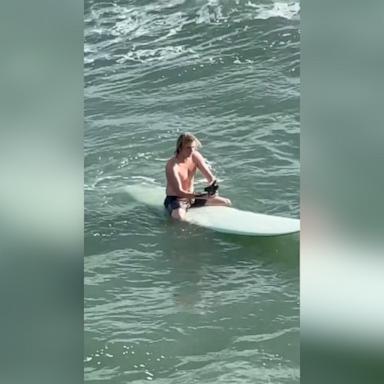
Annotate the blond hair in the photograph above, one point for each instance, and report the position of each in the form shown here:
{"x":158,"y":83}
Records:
{"x":186,"y":138}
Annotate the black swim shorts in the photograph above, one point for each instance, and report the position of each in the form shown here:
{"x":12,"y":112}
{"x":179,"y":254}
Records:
{"x":173,"y":202}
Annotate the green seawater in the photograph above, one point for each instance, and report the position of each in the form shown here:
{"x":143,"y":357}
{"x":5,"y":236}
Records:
{"x":170,"y":302}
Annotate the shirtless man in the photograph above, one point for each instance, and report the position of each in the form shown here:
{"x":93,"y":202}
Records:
{"x":180,"y":173}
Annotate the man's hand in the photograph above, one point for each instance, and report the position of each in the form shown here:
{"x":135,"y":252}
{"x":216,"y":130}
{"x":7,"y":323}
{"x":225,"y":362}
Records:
{"x":212,"y":189}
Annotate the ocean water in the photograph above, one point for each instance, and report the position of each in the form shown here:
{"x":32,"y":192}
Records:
{"x":170,"y":302}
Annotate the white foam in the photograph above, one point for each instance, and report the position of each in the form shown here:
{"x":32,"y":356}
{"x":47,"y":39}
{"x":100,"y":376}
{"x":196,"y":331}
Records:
{"x":285,"y":10}
{"x":151,"y":55}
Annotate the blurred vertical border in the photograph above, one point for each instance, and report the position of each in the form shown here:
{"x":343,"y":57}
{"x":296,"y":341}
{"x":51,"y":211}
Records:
{"x":342,"y":158}
{"x":41,"y":192}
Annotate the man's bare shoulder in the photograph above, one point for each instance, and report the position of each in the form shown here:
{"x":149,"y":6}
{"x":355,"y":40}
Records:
{"x":197,"y":157}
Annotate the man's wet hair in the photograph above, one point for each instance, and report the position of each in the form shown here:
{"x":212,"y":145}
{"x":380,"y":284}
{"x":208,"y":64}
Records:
{"x":186,"y":138}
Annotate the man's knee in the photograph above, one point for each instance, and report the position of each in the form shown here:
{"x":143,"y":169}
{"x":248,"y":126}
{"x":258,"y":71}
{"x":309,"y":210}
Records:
{"x":218,"y":200}
{"x":226,"y":202}
{"x":178,"y":214}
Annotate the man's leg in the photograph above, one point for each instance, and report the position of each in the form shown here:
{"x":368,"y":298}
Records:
{"x":218,"y":200}
{"x":178,"y":214}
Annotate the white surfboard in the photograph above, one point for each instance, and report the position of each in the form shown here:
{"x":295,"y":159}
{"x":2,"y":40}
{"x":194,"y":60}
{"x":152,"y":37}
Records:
{"x":221,"y":219}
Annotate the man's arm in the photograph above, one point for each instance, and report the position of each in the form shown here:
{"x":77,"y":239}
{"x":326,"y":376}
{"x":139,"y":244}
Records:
{"x":203,"y":167}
